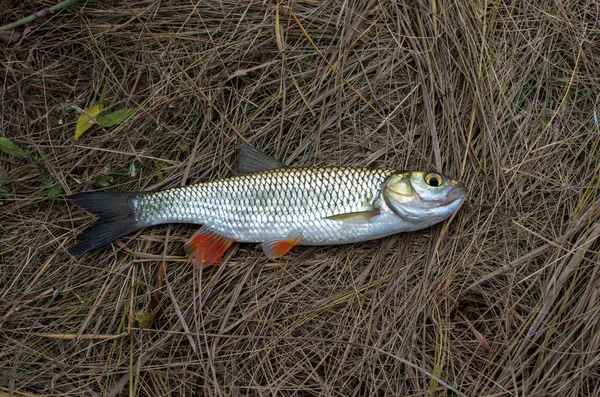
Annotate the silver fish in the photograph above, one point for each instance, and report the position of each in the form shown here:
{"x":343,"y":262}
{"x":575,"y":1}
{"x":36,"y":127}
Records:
{"x":278,"y":207}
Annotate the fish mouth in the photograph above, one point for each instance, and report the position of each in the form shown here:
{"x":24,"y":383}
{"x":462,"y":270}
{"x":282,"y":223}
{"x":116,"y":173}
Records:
{"x":458,"y":192}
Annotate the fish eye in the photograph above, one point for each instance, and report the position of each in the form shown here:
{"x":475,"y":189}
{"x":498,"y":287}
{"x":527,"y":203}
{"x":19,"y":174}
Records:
{"x":433,"y":179}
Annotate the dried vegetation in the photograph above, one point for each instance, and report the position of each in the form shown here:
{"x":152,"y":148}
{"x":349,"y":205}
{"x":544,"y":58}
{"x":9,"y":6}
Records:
{"x":503,"y":300}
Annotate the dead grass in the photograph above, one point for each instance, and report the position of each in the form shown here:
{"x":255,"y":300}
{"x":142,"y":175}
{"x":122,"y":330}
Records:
{"x":501,"y":301}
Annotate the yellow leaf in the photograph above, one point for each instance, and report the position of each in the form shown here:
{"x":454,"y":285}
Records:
{"x":144,"y":319}
{"x":86,"y":119}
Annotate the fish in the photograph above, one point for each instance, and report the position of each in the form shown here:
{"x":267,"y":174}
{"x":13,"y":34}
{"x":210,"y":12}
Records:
{"x":277,"y":206}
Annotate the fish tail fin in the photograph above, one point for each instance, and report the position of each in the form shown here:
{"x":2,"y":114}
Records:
{"x":116,"y":218}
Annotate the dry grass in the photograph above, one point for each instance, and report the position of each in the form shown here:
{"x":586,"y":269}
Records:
{"x":501,"y":301}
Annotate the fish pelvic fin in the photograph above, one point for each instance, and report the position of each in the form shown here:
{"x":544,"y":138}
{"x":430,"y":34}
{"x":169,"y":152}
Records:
{"x":116,"y":218}
{"x":206,"y":247}
{"x":277,"y":248}
{"x":250,"y":160}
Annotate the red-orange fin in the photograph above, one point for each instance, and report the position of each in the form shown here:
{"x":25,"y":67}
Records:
{"x":278,"y":248}
{"x":206,"y":247}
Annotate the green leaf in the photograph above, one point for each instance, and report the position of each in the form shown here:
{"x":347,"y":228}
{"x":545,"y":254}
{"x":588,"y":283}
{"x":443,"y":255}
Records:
{"x":102,"y":180}
{"x":86,"y":119}
{"x":51,"y":190}
{"x":132,"y":169}
{"x":9,"y":147}
{"x":41,"y":168}
{"x":115,"y":118}
{"x":184,"y":147}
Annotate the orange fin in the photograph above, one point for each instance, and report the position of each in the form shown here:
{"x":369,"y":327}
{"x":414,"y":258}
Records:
{"x":206,"y":247}
{"x":278,"y":248}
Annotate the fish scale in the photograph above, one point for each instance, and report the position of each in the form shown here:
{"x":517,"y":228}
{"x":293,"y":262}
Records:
{"x":263,"y":206}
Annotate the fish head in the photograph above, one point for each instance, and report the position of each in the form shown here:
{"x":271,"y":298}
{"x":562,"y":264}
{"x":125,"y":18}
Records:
{"x":423,"y":198}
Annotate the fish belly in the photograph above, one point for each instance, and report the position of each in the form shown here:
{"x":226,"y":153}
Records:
{"x":313,"y":231}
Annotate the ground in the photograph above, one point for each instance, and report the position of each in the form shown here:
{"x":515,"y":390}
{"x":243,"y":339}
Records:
{"x":500,"y":300}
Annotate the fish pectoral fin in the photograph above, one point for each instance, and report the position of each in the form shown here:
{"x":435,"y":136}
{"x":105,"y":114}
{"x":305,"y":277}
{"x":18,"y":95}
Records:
{"x":250,"y":161}
{"x":277,"y":248}
{"x":206,"y":247}
{"x":356,"y":217}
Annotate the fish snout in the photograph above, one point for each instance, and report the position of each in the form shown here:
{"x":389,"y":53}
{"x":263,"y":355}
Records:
{"x":457,"y":192}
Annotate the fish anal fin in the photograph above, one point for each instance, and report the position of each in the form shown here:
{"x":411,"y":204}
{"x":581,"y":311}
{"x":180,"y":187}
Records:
{"x":250,"y":161}
{"x":206,"y":247}
{"x":277,"y":248}
{"x":356,"y":217}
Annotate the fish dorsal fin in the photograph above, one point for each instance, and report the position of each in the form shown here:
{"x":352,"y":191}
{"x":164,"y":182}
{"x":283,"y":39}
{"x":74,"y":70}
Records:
{"x":250,"y":161}
{"x":356,"y":217}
